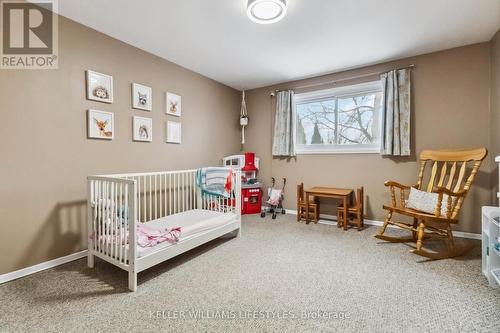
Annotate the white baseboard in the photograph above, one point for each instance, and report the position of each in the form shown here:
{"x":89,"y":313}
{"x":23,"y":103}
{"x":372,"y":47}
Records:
{"x":332,"y":220}
{"x":468,"y":235}
{"x":41,"y":266}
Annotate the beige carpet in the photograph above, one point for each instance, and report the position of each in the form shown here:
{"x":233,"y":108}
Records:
{"x":265,"y":281}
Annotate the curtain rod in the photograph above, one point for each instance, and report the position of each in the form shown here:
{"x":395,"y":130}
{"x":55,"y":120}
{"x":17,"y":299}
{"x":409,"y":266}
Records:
{"x":343,"y":79}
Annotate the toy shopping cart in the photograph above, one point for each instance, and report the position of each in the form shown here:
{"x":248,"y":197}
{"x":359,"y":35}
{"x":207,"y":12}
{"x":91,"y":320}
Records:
{"x":274,"y":202}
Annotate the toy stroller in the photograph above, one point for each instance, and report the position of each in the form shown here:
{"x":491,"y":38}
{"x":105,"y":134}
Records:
{"x":274,"y":202}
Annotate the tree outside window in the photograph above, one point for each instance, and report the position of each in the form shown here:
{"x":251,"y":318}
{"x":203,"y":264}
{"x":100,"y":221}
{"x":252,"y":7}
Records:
{"x":348,"y":120}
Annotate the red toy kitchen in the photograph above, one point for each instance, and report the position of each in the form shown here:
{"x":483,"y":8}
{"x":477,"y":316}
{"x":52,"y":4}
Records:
{"x":251,"y":190}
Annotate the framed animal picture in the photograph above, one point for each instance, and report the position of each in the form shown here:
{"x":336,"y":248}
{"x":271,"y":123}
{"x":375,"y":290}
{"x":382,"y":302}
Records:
{"x":173,"y":104}
{"x":99,"y":87}
{"x":142,"y":97}
{"x":143,"y":129}
{"x":174,"y":132}
{"x":100,"y":124}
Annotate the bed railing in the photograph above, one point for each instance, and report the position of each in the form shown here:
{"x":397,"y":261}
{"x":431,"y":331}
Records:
{"x":161,"y":194}
{"x":111,"y":202}
{"x":116,"y":203}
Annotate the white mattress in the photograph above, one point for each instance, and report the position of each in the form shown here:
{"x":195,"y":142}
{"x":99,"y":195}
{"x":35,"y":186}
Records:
{"x":192,"y":222}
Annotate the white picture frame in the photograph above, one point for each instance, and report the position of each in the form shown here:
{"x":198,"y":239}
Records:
{"x":173,"y":104}
{"x":100,"y":125}
{"x":99,"y":87}
{"x":143,"y":129}
{"x":142,"y":97}
{"x":174,"y":132}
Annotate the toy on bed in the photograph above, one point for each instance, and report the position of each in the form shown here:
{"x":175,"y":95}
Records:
{"x":274,"y":202}
{"x":136,"y":221}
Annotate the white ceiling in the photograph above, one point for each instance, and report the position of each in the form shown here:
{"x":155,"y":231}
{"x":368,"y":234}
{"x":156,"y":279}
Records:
{"x":216,"y":39}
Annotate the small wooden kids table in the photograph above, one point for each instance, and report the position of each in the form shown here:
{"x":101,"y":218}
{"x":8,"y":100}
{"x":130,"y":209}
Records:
{"x":329,"y":192}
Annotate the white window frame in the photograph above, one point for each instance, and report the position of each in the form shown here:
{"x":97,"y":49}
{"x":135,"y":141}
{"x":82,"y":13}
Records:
{"x":362,"y":88}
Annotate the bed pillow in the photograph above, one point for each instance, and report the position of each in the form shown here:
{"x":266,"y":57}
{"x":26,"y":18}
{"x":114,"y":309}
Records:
{"x":426,"y":201}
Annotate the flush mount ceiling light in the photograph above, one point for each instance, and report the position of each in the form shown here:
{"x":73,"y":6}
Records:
{"x":266,"y":11}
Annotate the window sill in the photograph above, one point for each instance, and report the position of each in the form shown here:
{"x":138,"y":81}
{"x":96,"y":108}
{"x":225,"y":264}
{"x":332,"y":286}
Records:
{"x":326,"y":151}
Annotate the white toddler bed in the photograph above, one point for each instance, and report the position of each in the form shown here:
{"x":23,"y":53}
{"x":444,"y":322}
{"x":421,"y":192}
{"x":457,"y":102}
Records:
{"x":162,"y":200}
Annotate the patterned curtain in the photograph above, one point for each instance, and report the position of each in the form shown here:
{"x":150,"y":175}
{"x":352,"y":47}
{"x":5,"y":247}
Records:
{"x":396,"y":113}
{"x":283,"y":138}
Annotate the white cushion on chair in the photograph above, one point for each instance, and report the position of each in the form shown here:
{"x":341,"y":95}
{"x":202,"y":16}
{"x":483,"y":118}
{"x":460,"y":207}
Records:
{"x":426,"y":201}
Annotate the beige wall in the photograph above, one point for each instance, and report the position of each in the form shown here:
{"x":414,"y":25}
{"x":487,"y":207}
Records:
{"x":450,"y":110}
{"x":45,"y":155}
{"x":495,"y":110}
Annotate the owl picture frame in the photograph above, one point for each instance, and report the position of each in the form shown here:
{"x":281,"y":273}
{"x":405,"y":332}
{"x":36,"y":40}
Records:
{"x":142,"y":97}
{"x":173,"y":104}
{"x":99,"y":87}
{"x":143,"y":129}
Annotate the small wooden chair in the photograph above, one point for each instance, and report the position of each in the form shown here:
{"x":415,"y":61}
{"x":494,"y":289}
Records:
{"x":301,"y":206}
{"x":355,"y":211}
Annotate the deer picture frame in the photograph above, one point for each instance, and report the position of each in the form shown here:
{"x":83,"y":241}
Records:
{"x":100,"y":124}
{"x":173,"y":104}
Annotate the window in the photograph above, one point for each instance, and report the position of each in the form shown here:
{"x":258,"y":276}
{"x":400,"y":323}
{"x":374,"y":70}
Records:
{"x":340,"y":120}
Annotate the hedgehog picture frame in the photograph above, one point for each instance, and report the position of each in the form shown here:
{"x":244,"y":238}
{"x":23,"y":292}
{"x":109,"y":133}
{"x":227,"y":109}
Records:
{"x":96,"y":80}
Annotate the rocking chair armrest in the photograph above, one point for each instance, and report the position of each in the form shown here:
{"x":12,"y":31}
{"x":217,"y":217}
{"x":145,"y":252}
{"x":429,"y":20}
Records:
{"x":402,"y":189}
{"x":444,"y":190}
{"x":391,"y":183}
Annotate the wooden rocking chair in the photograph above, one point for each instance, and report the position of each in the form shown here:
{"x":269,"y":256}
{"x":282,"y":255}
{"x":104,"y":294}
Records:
{"x":452,"y":166}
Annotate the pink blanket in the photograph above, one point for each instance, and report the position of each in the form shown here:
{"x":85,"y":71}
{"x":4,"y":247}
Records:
{"x":148,"y":237}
